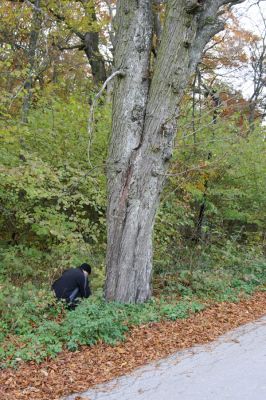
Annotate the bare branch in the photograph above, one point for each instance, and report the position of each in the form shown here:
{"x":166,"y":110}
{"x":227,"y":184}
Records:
{"x":76,"y":46}
{"x":91,"y":115}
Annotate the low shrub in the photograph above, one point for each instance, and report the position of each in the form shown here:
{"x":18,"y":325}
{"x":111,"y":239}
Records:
{"x":38,"y":327}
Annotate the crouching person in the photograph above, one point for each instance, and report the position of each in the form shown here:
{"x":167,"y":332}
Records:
{"x":73,"y":285}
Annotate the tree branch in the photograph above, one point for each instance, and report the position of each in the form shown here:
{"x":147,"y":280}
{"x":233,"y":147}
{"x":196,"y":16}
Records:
{"x":61,"y":18}
{"x":91,"y":115}
{"x":77,"y":46}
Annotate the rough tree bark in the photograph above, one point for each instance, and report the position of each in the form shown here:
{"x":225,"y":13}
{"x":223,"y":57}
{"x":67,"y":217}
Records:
{"x":145,"y":111}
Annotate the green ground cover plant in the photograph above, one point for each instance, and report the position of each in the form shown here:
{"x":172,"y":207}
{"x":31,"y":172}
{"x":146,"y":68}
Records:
{"x":35,"y":327}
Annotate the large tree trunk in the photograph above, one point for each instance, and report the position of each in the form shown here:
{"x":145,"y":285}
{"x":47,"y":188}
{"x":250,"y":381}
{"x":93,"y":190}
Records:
{"x":132,"y":54}
{"x":144,"y":125}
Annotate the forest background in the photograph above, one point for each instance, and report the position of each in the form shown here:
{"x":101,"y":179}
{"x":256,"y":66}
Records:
{"x":209,"y":239}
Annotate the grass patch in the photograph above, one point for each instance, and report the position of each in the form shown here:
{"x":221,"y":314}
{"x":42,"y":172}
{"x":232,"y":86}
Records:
{"x":221,"y":284}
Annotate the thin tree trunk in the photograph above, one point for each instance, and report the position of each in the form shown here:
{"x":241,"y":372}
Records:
{"x":91,"y":48}
{"x":28,"y":85}
{"x":251,"y":116}
{"x":202,"y":211}
{"x":201,"y":216}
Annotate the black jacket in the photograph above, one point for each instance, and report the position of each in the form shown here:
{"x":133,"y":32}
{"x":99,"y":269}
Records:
{"x":72,"y":279}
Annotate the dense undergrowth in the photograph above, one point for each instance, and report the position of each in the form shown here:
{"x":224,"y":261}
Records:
{"x":34,"y":326}
{"x":53,"y":216}
{"x":37,"y":328}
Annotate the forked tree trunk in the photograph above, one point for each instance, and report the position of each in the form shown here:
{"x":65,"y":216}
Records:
{"x":145,"y":111}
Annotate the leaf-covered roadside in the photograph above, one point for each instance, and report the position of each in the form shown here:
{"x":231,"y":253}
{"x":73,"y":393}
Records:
{"x":35,"y":327}
{"x":39,"y":329}
{"x":80,"y":370}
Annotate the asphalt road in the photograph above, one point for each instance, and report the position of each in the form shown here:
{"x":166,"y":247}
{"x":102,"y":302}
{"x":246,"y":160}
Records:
{"x":231,"y":368}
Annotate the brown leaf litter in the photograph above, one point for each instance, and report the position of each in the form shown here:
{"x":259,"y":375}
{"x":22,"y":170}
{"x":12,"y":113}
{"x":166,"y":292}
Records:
{"x":78,"y":371}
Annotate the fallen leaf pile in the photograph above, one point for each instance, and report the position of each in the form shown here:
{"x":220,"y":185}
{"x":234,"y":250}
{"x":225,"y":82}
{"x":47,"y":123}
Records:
{"x":78,"y":371}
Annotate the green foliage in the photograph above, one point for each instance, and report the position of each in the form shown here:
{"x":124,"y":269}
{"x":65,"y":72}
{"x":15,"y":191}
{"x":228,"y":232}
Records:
{"x":181,"y":310}
{"x":214,"y":276}
{"x":52,"y":202}
{"x":38,"y":328}
{"x":216,"y":170}
{"x":24,"y":311}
